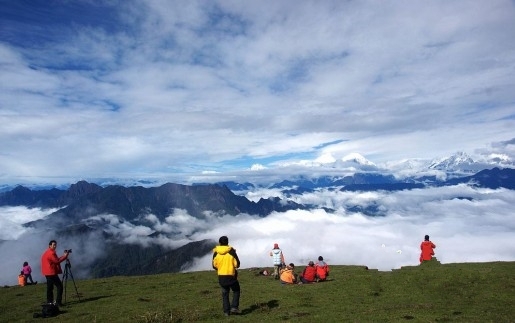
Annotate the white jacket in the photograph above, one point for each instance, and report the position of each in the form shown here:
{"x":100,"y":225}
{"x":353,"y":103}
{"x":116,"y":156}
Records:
{"x":277,"y":255}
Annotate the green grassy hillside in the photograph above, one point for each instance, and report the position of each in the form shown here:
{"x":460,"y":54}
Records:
{"x":468,"y":292}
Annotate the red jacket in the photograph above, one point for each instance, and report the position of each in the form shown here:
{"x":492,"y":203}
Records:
{"x":51,"y":264}
{"x":427,"y":250}
{"x":309,"y":273}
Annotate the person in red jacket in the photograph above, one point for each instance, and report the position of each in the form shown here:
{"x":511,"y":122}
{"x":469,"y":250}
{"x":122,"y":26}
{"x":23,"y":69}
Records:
{"x":322,"y":269}
{"x":426,"y":248}
{"x":309,"y":274}
{"x":51,"y":268}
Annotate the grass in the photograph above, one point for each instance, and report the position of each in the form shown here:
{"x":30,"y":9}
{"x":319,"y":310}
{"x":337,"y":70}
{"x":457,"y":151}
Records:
{"x":466,"y":292}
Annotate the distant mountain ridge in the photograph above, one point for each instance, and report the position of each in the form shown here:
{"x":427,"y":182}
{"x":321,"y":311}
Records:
{"x":84,"y":201}
{"x":131,"y":202}
{"x":457,"y":165}
{"x":488,"y":178}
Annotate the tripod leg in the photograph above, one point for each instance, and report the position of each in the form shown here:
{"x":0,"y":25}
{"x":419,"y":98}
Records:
{"x":65,"y":281}
{"x":74,"y":285}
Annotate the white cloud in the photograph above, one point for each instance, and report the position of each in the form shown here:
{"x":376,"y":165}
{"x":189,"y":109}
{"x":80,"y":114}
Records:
{"x":171,"y":90}
{"x":12,"y":219}
{"x":257,"y":167}
{"x":484,"y":222}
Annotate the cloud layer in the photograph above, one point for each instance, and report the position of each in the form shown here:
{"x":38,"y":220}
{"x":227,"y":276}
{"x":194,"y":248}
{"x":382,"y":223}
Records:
{"x":133,"y":89}
{"x":466,"y":224}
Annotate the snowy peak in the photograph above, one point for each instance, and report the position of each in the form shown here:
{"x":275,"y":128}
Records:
{"x":457,"y":161}
{"x":358,"y":159}
{"x":325,"y":159}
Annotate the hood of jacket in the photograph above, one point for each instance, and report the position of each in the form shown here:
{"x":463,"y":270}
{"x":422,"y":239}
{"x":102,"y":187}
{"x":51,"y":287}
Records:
{"x":222,"y":250}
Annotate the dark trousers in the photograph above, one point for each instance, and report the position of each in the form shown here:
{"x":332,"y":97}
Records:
{"x":27,"y":278}
{"x":277,"y":271}
{"x":235,"y":287}
{"x":52,"y":281}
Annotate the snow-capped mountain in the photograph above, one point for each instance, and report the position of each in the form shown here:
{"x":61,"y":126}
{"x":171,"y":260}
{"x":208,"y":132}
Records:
{"x":459,"y":160}
{"x":358,"y":159}
{"x":458,"y":164}
{"x":462,"y":164}
{"x":355,"y":162}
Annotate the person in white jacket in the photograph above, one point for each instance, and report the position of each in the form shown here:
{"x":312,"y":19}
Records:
{"x":278,"y":258}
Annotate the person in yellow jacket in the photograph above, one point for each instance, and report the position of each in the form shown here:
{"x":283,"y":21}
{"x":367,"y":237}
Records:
{"x":226,"y":262}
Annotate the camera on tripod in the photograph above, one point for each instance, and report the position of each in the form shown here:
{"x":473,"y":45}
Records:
{"x":68,"y":272}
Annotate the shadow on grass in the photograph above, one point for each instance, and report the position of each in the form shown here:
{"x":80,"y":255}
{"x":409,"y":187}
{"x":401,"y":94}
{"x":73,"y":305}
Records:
{"x":85,"y":300}
{"x":265,"y":306}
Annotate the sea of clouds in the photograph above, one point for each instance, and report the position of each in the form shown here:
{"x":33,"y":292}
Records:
{"x":466,"y":224}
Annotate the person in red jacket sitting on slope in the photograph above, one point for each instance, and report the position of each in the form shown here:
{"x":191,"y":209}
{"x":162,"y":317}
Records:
{"x":322,"y":269}
{"x":309,"y":275}
{"x":426,"y":248}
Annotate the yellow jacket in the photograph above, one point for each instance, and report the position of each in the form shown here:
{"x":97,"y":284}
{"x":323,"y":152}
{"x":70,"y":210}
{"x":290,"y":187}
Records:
{"x":225,"y":261}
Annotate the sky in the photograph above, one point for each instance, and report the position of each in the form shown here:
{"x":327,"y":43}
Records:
{"x":184,"y":89}
{"x":466,"y":224}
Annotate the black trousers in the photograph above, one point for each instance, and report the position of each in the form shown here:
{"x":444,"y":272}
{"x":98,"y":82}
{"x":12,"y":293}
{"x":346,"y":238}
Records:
{"x":235,"y":287}
{"x":52,"y":281}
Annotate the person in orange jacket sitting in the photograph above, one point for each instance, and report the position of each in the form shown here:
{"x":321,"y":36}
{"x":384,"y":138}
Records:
{"x":322,"y":269}
{"x":21,"y":279}
{"x":287,"y":275}
{"x":426,"y":248}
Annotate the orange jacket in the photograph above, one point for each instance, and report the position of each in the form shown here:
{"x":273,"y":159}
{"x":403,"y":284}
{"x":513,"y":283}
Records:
{"x":21,"y":280}
{"x":427,"y":250}
{"x":51,"y":264}
{"x":322,"y":270}
{"x":288,"y":276}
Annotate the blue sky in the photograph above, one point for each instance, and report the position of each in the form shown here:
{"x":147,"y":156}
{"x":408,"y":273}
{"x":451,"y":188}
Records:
{"x":175,"y":89}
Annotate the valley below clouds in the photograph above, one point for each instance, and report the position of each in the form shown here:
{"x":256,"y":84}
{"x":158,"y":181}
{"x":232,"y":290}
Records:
{"x":467,"y":225}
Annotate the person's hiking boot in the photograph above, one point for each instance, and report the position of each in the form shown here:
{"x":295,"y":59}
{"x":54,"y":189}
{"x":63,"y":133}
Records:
{"x":226,"y":314}
{"x":235,"y":310}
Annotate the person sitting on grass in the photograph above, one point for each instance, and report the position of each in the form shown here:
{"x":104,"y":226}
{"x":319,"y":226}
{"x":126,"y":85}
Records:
{"x":27,"y":272}
{"x":287,"y":275}
{"x":21,"y":279}
{"x":309,"y":274}
{"x":322,"y":269}
{"x":426,"y":248}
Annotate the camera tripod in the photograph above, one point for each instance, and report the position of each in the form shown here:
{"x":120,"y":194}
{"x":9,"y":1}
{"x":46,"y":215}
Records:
{"x":68,"y":272}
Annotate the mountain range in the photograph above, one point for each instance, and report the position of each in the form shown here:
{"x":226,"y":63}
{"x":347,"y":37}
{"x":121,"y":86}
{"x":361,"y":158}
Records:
{"x":83,"y":200}
{"x":82,"y":207}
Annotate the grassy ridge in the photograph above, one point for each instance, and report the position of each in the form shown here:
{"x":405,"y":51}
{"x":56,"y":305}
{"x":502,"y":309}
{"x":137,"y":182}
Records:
{"x":468,"y":292}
